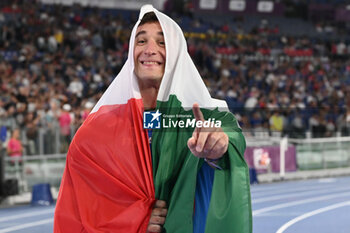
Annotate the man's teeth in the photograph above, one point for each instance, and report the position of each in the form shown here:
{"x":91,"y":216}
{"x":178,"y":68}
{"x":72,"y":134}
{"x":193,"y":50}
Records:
{"x":150,"y":63}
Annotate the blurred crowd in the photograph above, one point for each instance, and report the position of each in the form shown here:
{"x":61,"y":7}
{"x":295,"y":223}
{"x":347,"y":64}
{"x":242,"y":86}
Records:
{"x":55,"y":63}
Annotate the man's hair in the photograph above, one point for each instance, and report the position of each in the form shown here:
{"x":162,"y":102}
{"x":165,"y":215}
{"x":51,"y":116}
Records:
{"x":149,"y":17}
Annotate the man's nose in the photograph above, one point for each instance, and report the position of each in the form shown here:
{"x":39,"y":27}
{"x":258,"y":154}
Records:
{"x":151,"y":48}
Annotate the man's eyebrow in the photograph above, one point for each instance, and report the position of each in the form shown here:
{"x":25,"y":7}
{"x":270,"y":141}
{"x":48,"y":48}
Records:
{"x":140,"y":33}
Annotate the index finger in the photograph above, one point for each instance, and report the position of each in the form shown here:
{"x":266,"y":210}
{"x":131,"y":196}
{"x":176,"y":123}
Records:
{"x":197,"y":112}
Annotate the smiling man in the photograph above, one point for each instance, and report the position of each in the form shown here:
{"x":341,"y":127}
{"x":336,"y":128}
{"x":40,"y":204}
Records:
{"x":149,"y":52}
{"x":149,"y":59}
{"x":184,"y":180}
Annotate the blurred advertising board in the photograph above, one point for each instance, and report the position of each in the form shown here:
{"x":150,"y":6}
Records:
{"x":120,"y":4}
{"x":267,"y":158}
{"x":239,"y":7}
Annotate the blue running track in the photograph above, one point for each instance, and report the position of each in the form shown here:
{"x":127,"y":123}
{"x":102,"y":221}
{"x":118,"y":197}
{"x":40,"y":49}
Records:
{"x":320,"y":206}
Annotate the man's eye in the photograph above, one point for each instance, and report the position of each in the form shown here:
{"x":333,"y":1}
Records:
{"x":162,"y":43}
{"x":141,"y":41}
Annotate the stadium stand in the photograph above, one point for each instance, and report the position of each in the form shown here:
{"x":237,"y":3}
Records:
{"x":281,"y":74}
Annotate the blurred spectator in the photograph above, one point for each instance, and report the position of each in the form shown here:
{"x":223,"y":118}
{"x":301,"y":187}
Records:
{"x":32,"y":134}
{"x":330,"y":129}
{"x":14,"y":145}
{"x":297,"y":127}
{"x":276,"y":123}
{"x":65,"y":121}
{"x":317,"y":125}
{"x":257,"y":123}
{"x":87,"y":109}
{"x":347,"y":123}
{"x":76,"y":87}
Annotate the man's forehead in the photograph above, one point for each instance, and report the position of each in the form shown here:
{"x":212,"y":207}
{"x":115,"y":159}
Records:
{"x":149,"y":27}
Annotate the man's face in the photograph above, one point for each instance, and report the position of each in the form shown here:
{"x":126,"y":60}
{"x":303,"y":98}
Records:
{"x":149,"y":52}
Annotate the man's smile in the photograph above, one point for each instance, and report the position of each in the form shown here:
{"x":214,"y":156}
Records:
{"x":151,"y":63}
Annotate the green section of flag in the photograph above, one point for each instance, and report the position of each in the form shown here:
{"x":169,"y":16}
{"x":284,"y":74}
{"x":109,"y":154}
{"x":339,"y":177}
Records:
{"x":175,"y":172}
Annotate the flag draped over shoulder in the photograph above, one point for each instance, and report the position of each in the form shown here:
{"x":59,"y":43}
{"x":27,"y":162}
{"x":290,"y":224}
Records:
{"x":111,"y":178}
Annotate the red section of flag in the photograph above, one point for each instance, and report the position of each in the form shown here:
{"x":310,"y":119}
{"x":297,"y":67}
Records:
{"x":107,"y":185}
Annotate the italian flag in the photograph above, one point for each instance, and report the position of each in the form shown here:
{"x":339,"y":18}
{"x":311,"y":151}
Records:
{"x":112,"y":176}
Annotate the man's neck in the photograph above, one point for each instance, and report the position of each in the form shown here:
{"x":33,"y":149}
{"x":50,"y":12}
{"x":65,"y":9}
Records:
{"x":149,"y":95}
